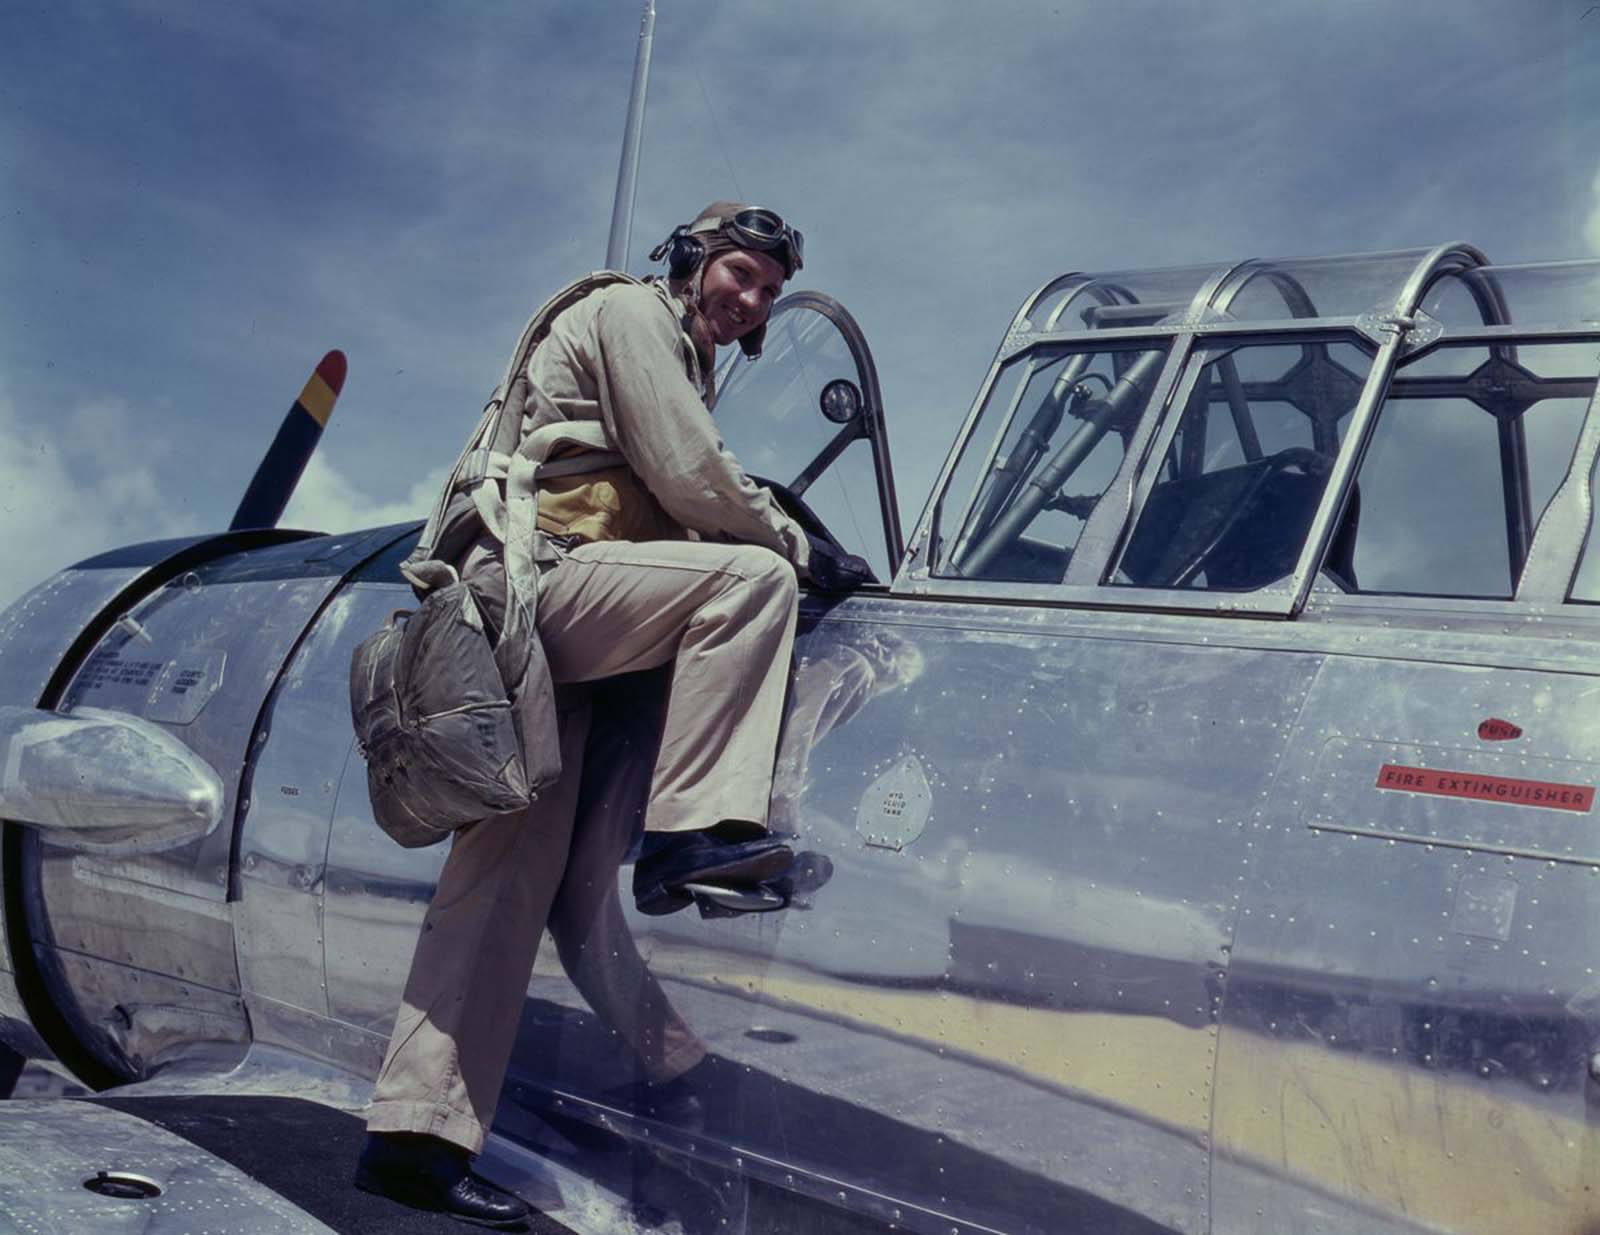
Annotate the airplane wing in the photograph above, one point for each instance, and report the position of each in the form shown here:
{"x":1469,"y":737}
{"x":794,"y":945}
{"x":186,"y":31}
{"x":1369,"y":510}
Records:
{"x":177,"y":1162}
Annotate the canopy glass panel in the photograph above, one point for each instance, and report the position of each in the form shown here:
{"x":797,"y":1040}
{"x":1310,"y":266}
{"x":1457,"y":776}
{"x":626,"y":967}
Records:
{"x":1317,"y":286}
{"x":1119,"y":298}
{"x":1549,"y":294}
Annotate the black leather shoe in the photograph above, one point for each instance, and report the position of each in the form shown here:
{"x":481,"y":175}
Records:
{"x":671,"y":859}
{"x":427,"y":1173}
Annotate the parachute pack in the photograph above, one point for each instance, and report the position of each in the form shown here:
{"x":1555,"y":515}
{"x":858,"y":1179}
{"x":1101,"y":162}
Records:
{"x":455,"y":727}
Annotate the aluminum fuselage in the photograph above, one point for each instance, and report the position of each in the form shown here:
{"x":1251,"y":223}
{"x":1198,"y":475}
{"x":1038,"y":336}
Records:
{"x":1149,"y":912}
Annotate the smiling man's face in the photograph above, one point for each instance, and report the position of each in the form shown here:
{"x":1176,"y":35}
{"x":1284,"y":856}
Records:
{"x":737,"y":292}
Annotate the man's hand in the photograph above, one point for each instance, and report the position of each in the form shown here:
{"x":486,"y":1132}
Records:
{"x":833,"y":570}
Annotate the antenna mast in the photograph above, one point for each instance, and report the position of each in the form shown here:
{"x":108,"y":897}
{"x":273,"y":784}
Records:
{"x":628,"y":169}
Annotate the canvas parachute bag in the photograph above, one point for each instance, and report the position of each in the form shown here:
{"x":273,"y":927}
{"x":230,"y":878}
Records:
{"x":454,"y":729}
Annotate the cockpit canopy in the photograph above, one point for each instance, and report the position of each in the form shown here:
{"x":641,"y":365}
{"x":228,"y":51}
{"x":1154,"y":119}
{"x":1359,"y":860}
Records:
{"x":1229,"y":437}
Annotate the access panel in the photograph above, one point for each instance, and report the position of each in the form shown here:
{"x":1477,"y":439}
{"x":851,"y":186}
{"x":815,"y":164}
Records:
{"x":1413,"y":1002}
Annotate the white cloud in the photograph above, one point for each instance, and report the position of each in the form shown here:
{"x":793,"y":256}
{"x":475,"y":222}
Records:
{"x":71,"y":492}
{"x":89,"y":480}
{"x":327,"y":501}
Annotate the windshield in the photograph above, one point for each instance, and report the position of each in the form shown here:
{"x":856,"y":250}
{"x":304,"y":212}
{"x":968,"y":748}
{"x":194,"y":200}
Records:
{"x":771,"y":415}
{"x":1245,"y":470}
{"x":1051,"y":437}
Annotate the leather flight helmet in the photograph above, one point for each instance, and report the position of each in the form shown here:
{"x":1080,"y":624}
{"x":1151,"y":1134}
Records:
{"x":722,"y":226}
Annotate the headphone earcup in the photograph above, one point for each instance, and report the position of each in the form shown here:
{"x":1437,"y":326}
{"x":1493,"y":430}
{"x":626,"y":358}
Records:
{"x":683,"y":255}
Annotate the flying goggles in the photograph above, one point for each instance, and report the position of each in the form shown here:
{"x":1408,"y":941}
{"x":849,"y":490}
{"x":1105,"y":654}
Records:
{"x":753,"y":227}
{"x":759,"y":228}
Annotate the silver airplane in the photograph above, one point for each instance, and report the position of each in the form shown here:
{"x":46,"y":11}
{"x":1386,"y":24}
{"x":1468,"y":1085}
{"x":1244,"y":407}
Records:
{"x":1208,"y":796}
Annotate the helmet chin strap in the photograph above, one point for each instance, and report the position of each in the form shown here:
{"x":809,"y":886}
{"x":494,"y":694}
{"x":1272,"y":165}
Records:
{"x":698,"y":329}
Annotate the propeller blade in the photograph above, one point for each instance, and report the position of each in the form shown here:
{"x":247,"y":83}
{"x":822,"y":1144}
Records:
{"x":273,"y":484}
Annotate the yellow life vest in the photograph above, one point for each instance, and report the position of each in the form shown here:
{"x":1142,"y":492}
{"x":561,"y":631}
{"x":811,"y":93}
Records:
{"x":609,"y":504}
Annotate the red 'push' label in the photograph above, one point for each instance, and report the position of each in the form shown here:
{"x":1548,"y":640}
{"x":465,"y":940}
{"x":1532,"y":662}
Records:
{"x":1548,"y":795}
{"x":1496,"y":730}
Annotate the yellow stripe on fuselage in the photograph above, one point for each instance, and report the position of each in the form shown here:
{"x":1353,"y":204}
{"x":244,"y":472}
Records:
{"x":1432,"y":1147}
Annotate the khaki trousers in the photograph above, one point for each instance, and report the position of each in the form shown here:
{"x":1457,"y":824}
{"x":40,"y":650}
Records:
{"x":725,"y":616}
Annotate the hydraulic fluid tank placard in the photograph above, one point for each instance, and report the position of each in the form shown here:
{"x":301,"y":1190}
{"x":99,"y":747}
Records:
{"x":895,"y":808}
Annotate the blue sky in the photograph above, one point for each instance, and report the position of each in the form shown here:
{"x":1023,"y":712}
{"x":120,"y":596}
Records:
{"x":201,"y":198}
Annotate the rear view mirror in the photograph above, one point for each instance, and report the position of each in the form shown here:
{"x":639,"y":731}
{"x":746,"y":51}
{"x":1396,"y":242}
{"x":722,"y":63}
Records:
{"x":840,"y":401}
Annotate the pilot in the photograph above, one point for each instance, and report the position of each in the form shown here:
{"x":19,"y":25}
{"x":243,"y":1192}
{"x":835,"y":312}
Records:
{"x":673,"y":556}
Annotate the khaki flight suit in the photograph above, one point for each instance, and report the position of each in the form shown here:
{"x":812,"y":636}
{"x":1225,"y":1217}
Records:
{"x":636,"y":592}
